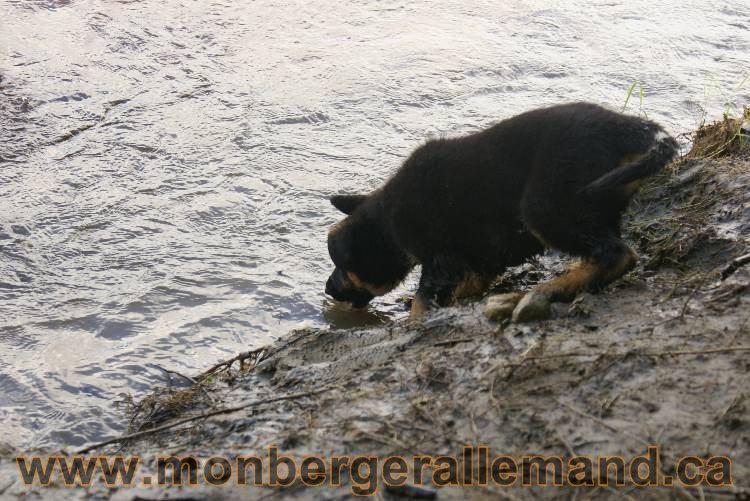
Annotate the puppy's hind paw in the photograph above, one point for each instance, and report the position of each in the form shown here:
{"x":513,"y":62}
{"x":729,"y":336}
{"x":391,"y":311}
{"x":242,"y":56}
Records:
{"x":533,"y":306}
{"x":500,"y":306}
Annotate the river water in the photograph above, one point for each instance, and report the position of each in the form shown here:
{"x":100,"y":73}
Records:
{"x":165,"y":165}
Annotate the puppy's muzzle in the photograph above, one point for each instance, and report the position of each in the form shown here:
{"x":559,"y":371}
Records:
{"x":340,"y":289}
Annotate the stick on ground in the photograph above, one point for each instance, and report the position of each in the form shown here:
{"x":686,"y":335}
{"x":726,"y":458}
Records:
{"x":204,"y":415}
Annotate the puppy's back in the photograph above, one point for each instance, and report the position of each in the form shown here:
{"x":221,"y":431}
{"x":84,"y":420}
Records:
{"x":462,"y":195}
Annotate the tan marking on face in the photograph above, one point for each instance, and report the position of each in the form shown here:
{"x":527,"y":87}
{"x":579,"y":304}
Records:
{"x":375,"y":290}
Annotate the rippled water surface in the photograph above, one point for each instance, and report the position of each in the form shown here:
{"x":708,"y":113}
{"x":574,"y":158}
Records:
{"x":165,"y":165}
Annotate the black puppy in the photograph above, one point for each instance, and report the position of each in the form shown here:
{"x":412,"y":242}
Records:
{"x":467,"y":208}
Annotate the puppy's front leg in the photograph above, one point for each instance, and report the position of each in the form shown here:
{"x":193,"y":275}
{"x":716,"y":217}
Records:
{"x":441,"y":286}
{"x":419,"y":305}
{"x":429,"y":295}
{"x":436,"y":286}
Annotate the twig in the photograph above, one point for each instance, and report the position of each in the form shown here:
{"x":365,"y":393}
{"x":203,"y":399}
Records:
{"x":410,"y":491}
{"x":601,"y":422}
{"x":690,"y":296}
{"x":644,"y":353}
{"x":167,"y":371}
{"x":259,"y":355}
{"x":2,"y":491}
{"x":733,"y":291}
{"x":385,"y":440}
{"x":623,"y":495}
{"x":195,"y":382}
{"x":450,"y":342}
{"x":567,"y":445}
{"x":204,"y":415}
{"x":524,"y":359}
{"x":698,"y":352}
{"x":735,"y":265}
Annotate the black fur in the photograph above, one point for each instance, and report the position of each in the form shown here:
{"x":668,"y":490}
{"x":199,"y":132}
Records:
{"x":347,"y":203}
{"x":658,"y":155}
{"x":480,"y":203}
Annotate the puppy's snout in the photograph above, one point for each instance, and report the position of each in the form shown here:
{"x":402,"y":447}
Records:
{"x":331,"y":285}
{"x":334,"y":285}
{"x":338,"y":288}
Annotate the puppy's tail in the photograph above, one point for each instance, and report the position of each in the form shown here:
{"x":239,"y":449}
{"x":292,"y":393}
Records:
{"x":663,"y":150}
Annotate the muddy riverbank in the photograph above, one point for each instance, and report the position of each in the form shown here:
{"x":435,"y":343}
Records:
{"x":660,"y":358}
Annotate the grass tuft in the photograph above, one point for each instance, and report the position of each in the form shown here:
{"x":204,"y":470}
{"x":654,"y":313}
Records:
{"x":723,"y":138}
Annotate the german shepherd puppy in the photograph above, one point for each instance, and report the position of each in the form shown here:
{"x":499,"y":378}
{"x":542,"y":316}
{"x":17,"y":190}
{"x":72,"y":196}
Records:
{"x":466,"y":208}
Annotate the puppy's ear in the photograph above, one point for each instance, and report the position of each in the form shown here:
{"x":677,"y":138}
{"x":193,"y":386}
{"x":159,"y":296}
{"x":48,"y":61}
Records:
{"x":347,"y":203}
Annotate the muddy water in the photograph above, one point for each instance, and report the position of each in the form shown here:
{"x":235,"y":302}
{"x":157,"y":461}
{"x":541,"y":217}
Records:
{"x":164,"y":165}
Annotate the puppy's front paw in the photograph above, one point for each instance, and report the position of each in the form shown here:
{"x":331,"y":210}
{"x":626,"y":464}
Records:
{"x":533,"y":306}
{"x":500,"y":306}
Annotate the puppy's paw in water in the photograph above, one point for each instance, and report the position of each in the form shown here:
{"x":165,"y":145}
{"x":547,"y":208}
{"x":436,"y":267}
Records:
{"x":533,"y":306}
{"x":500,"y":306}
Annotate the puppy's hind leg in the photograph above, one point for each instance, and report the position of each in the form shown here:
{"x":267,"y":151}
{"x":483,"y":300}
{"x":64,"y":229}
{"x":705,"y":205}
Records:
{"x":609,"y":259}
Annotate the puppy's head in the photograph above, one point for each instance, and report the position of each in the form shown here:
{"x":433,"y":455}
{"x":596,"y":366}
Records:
{"x":357,"y":248}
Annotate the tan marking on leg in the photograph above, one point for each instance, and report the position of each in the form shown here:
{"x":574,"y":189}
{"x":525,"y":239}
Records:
{"x":566,"y":286}
{"x":419,"y":306}
{"x":473,"y":284}
{"x":586,"y":274}
{"x":626,"y":263}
